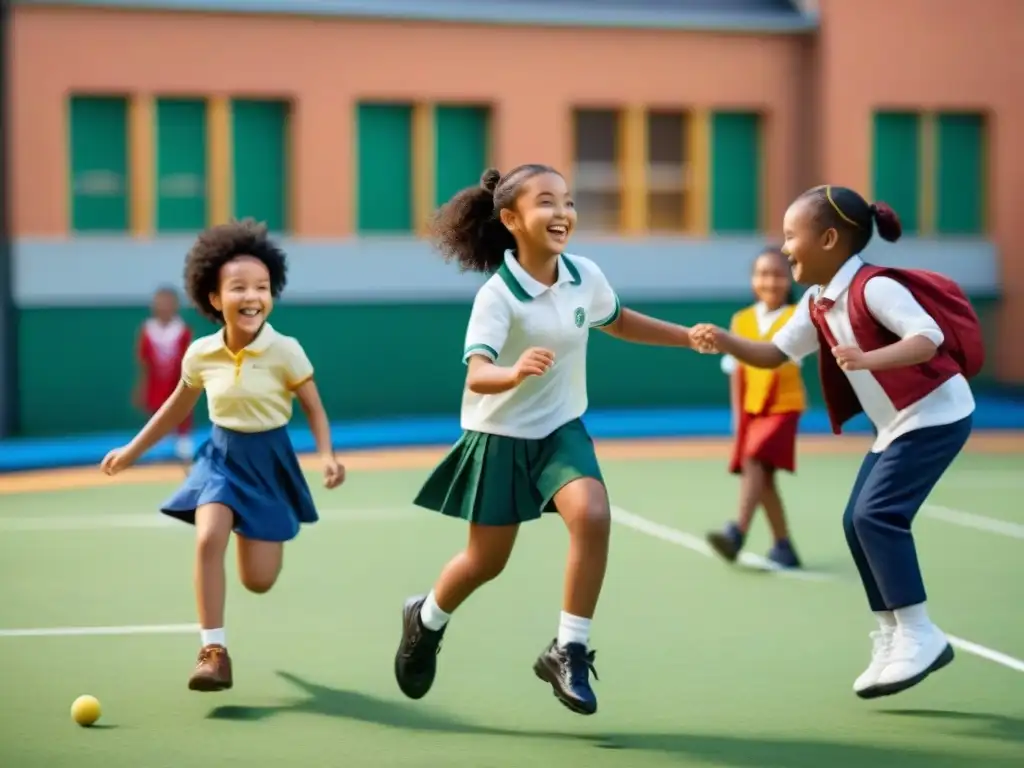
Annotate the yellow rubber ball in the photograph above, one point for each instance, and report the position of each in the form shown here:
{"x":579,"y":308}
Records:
{"x":85,"y":710}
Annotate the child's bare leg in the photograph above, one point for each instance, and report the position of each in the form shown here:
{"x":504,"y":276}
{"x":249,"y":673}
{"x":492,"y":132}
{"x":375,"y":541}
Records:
{"x":259,"y":563}
{"x":213,"y":529}
{"x":752,"y":485}
{"x":484,"y":557}
{"x":566,"y":664}
{"x":583,"y":505}
{"x":424,"y":618}
{"x":773,"y":509}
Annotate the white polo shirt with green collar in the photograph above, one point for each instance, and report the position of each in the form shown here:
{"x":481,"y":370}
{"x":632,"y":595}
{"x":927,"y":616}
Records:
{"x":513,"y":312}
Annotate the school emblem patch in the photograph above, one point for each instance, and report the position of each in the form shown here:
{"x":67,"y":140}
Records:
{"x":580,"y":316}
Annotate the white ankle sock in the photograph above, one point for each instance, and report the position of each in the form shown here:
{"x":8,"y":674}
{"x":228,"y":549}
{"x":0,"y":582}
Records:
{"x":431,"y":615}
{"x":573,"y":629}
{"x":886,"y":619}
{"x":913,"y":616}
{"x":213,"y":637}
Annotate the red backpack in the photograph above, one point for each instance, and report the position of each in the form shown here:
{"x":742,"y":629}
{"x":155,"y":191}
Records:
{"x":943,"y":299}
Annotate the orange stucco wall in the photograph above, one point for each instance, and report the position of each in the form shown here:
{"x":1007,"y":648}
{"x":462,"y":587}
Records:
{"x":932,"y":54}
{"x":532,"y":77}
{"x":818,"y":92}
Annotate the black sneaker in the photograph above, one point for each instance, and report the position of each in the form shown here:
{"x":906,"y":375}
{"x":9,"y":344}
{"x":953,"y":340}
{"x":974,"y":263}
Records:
{"x":568,"y":672}
{"x":416,"y":660}
{"x":727,"y":543}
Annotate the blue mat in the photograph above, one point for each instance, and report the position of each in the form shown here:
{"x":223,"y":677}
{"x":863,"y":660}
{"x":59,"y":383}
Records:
{"x":44,"y":453}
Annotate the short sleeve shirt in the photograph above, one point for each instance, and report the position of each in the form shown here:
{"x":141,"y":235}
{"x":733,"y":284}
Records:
{"x":253,"y":390}
{"x":513,"y":312}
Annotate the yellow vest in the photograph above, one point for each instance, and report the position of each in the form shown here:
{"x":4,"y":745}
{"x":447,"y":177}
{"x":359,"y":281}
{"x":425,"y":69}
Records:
{"x":760,"y":382}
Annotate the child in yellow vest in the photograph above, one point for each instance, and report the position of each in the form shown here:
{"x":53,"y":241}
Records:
{"x":766,"y":407}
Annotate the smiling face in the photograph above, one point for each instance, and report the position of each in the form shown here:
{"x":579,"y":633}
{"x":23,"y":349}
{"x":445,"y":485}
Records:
{"x":813,"y":253}
{"x":544,"y":215}
{"x":771,"y":279}
{"x":243,"y":295}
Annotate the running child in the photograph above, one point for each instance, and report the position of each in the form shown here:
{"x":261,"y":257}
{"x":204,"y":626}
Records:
{"x":900,"y":346}
{"x":246,"y":477}
{"x":524,"y":449}
{"x":766,"y":406}
{"x":160,"y":348}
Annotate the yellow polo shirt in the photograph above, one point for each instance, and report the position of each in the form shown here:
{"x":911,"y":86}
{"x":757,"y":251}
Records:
{"x":253,"y":390}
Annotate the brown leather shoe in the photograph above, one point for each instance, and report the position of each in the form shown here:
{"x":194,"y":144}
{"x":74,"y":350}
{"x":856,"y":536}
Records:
{"x":213,"y":670}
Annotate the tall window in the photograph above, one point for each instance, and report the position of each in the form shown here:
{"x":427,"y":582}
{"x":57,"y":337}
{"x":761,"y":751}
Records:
{"x":99,"y":180}
{"x":666,"y":171}
{"x":596,"y":175}
{"x":385,"y":168}
{"x":260,"y":162}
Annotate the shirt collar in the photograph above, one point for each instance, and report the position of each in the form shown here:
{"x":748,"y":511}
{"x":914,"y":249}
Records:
{"x":842,"y":279}
{"x":264,"y":338}
{"x":524,"y":287}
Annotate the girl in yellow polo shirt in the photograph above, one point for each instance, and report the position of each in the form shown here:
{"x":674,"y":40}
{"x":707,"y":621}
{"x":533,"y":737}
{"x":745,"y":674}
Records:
{"x":246,"y":477}
{"x":766,"y":405}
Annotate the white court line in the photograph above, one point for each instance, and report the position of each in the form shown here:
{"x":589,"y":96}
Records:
{"x":975,"y":521}
{"x":142,"y":629}
{"x":695,"y":544}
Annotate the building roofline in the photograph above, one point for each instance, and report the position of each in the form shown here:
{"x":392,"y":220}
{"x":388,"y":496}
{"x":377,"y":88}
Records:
{"x":542,"y":14}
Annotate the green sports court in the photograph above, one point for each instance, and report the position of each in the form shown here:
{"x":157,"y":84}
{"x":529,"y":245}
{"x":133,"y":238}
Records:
{"x":700,"y":663}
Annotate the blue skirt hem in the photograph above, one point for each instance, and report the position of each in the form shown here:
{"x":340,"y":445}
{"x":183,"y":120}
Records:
{"x":257,"y":476}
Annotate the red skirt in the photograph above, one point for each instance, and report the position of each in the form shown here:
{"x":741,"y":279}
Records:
{"x":769,"y":438}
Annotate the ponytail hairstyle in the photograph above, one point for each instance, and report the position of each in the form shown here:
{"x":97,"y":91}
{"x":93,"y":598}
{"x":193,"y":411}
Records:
{"x":468,"y":228}
{"x":853,"y":216}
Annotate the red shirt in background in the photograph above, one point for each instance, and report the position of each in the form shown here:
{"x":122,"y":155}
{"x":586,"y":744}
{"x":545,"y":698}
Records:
{"x":161,"y":350}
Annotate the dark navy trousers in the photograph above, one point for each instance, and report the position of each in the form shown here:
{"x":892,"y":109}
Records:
{"x":890,"y":488}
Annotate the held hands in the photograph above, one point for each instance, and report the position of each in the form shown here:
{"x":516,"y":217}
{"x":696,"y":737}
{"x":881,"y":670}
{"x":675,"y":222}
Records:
{"x":334,"y":472}
{"x":850,"y":358}
{"x":533,"y":362}
{"x":704,"y":338}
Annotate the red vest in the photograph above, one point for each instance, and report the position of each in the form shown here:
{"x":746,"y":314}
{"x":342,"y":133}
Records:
{"x":961,"y":352}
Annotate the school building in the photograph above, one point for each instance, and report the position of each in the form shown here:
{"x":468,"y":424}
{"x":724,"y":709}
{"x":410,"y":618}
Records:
{"x":685,"y":126}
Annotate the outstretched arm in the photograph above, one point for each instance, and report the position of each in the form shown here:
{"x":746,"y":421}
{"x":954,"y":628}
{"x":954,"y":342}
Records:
{"x":170,"y":415}
{"x":642,"y":329}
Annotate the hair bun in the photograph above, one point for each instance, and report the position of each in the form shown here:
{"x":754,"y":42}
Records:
{"x":886,"y":222}
{"x":489,"y":180}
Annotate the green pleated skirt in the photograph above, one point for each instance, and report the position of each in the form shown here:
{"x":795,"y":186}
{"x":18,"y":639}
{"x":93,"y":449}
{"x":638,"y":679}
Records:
{"x":495,"y":480}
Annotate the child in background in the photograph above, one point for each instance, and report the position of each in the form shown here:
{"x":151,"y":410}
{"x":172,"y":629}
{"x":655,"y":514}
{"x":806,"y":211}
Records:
{"x":161,"y":346}
{"x":766,"y":406}
{"x":246,"y":477}
{"x":899,"y":345}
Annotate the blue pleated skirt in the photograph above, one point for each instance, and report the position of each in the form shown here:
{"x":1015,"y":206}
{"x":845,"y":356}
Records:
{"x":256,"y":475}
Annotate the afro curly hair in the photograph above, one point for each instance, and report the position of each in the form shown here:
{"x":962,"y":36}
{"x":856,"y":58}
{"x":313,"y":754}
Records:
{"x":218,"y":245}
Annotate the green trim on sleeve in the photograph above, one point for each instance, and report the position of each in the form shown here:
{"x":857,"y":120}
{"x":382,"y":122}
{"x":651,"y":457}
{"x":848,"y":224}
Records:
{"x":477,"y":349}
{"x":612,"y":317}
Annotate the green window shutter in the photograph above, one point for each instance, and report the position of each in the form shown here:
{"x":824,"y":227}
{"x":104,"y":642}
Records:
{"x":960,"y":174}
{"x":461,"y":141}
{"x":99,"y":182}
{"x":735,"y":172}
{"x":384,"y":189}
{"x":896,"y":172}
{"x":260,"y":161}
{"x":181,"y":199}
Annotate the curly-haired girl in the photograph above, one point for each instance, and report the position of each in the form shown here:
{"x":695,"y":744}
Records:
{"x":524,"y":450}
{"x":246,"y":477}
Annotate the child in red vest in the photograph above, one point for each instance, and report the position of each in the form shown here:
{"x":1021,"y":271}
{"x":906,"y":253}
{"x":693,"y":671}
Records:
{"x":766,"y":406}
{"x":162,"y":342}
{"x":900,"y":346}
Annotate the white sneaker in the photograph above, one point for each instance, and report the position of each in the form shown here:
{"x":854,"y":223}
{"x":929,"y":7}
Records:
{"x":917,"y":652}
{"x":881,"y":648}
